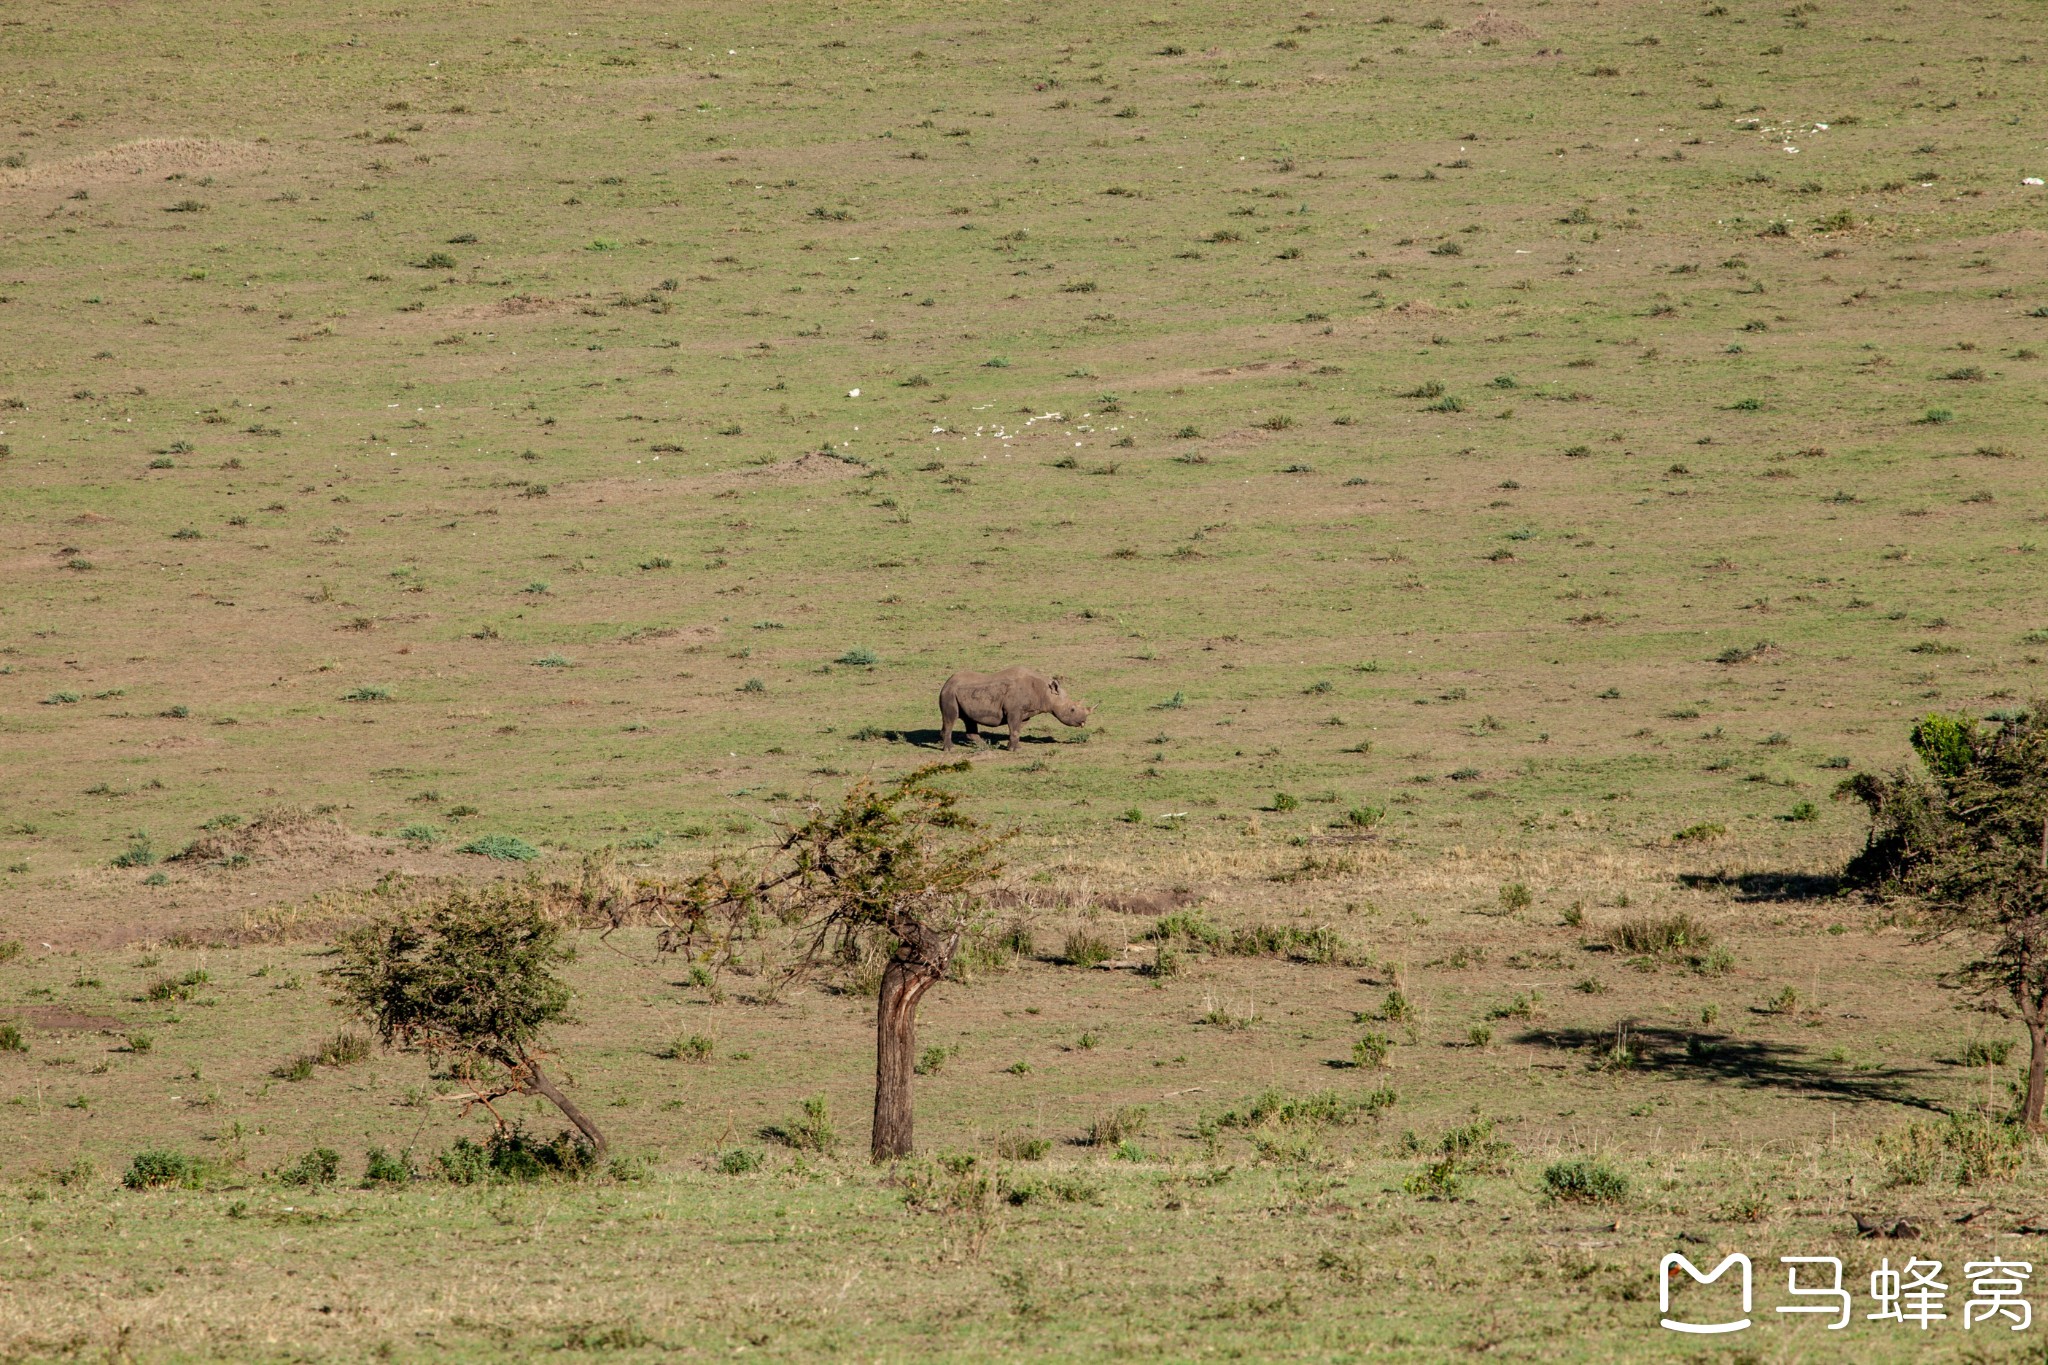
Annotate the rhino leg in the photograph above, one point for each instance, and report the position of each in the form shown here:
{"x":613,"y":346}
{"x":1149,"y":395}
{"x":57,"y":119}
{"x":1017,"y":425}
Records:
{"x":949,"y":711}
{"x":1016,"y":722}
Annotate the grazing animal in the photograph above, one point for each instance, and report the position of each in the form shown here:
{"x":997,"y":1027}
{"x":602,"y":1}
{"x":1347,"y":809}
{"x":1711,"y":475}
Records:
{"x":1010,"y":698}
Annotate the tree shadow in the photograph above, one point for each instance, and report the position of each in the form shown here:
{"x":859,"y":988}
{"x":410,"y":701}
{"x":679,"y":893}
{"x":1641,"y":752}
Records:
{"x":1753,"y":1063}
{"x":1767,"y":886}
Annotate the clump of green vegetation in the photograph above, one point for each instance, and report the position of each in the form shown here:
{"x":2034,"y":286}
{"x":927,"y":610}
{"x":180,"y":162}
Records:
{"x":1659,"y":935}
{"x":1982,"y":1052}
{"x":810,"y":1131}
{"x":1371,"y":1051}
{"x":1584,"y":1181}
{"x":1319,"y":943}
{"x":693,"y":1047}
{"x":162,"y":1169}
{"x":1022,"y":1147}
{"x":739,"y":1161}
{"x":510,"y":1156}
{"x":1968,"y":1148}
{"x":1118,"y":1126}
{"x":321,"y":1166}
{"x":1272,"y":1107}
{"x":382,"y":1168}
{"x":1085,"y":948}
{"x":1186,"y":930}
{"x":1455,"y":1158}
{"x":11,"y":1039}
{"x":503,"y":847}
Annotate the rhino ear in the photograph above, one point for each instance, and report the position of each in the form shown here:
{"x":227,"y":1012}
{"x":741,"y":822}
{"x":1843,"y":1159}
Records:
{"x":1054,"y":684}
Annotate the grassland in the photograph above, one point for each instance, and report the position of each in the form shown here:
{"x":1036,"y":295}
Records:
{"x":1545,"y":432}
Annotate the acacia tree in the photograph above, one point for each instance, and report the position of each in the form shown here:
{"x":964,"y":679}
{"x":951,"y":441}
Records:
{"x":1967,"y":845}
{"x":469,"y":979}
{"x":892,"y":867}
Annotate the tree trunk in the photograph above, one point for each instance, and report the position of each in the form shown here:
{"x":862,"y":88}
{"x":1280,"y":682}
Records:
{"x":2037,"y":1072}
{"x":568,"y":1107}
{"x":917,"y":966}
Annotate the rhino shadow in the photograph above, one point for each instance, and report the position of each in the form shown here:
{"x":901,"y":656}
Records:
{"x":929,"y":739}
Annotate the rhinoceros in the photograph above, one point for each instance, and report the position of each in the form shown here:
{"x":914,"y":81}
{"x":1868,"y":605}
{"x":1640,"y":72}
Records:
{"x":1010,"y":698}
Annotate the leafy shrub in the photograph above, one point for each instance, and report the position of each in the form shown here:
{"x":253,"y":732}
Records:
{"x":317,"y":1167}
{"x":1971,"y":1148}
{"x":1282,"y":801}
{"x":159,"y":1168}
{"x":1184,"y":928}
{"x":382,"y":1168}
{"x":810,"y":1131}
{"x":1022,"y":1147}
{"x":504,"y":847}
{"x":1584,"y":1181}
{"x":1979,"y":1052}
{"x":695,"y":1047}
{"x":1086,"y":949}
{"x":1370,"y":1051}
{"x":859,"y":657}
{"x":739,"y":1161}
{"x":139,"y":853}
{"x":510,"y":1155}
{"x":344,"y":1049}
{"x":1272,"y":1107}
{"x":1658,"y":937}
{"x":1703,"y":833}
{"x":1515,"y":896}
{"x":1462,"y":1152}
{"x":11,"y":1039}
{"x":1115,"y":1127}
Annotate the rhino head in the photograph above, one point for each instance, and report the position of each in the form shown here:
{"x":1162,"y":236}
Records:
{"x":1068,"y":709}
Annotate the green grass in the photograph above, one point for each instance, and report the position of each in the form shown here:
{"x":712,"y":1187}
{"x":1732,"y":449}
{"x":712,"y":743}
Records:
{"x":1193,"y":355}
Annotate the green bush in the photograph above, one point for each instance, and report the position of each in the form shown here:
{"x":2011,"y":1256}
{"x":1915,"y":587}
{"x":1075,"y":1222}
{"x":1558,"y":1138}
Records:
{"x":317,"y":1167}
{"x":11,"y":1039}
{"x":382,"y":1168}
{"x":810,"y":1131}
{"x":1183,"y":928}
{"x":1086,"y":949}
{"x":1982,"y":1053}
{"x":1371,"y":1051}
{"x":1584,"y":1181}
{"x":510,"y":1155}
{"x":694,"y":1047}
{"x":159,"y":1169}
{"x":503,"y":847}
{"x":740,"y":1161}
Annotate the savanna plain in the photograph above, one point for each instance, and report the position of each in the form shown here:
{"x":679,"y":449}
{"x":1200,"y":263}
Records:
{"x":1492,"y":472}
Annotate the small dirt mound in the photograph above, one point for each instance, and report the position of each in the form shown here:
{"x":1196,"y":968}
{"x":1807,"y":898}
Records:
{"x":809,"y":467}
{"x":684,"y":635}
{"x":150,"y":156}
{"x":287,"y":832}
{"x":56,"y":1018}
{"x":1494,"y":27}
{"x":1417,"y":308}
